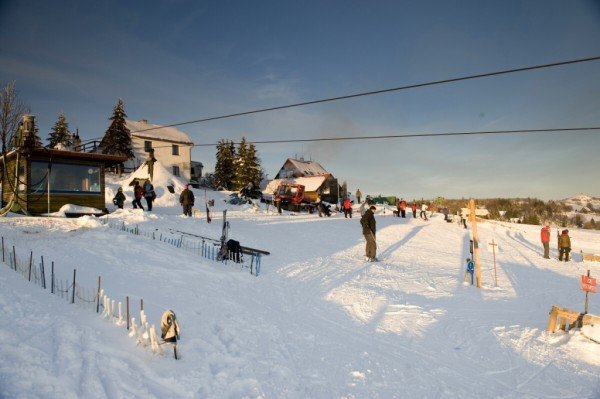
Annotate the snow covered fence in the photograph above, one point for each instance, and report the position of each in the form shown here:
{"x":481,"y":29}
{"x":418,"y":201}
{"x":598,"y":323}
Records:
{"x":205,"y":247}
{"x":73,"y":292}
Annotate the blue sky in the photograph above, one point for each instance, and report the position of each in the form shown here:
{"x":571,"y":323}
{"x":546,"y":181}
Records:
{"x":176,"y":61}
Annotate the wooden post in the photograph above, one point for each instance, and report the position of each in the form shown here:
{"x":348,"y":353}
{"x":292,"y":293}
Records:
{"x":52,"y":279}
{"x":552,"y":322}
{"x":73,"y":296}
{"x":586,"y":296}
{"x":494,"y":245}
{"x":43,"y":274}
{"x":3,"y":260}
{"x":15,"y":257}
{"x":30,"y":262}
{"x":475,"y":242}
{"x":142,"y":304}
{"x":98,"y":297}
{"x":127,"y":301}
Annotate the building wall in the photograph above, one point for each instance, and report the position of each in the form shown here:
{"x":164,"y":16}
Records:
{"x":163,"y":154}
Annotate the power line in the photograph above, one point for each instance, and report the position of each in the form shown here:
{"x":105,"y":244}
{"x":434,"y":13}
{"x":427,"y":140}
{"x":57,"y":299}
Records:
{"x":370,"y":93}
{"x":410,"y":135}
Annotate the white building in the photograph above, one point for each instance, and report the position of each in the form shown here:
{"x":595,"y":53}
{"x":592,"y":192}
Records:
{"x":172,"y":147}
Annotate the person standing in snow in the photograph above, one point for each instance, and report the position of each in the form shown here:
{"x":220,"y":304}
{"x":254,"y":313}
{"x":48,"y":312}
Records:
{"x":423,"y":213}
{"x":150,"y":163}
{"x":368,"y":229}
{"x":413,"y":208}
{"x":186,"y":199}
{"x":138,"y":193}
{"x":347,"y":208}
{"x":564,"y":245}
{"x":403,"y":207}
{"x":545,"y":235}
{"x":149,"y":194}
{"x":119,"y":199}
{"x":358,"y":195}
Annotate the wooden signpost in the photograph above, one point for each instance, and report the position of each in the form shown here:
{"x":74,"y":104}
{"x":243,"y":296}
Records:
{"x":494,"y":245}
{"x":588,"y":284}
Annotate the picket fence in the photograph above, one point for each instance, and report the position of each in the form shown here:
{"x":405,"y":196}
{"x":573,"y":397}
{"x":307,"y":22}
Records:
{"x":207,"y":248}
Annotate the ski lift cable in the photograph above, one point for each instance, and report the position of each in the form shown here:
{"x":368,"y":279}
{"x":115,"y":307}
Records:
{"x":381,"y":91}
{"x":412,"y":135}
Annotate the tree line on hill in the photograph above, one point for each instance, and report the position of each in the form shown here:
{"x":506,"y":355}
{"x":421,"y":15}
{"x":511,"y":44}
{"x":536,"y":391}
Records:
{"x":531,"y":211}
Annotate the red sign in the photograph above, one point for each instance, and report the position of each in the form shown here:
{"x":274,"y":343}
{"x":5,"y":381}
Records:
{"x":588,"y":284}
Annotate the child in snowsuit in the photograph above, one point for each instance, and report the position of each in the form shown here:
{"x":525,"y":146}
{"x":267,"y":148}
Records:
{"x":347,"y":208}
{"x":186,"y":199}
{"x":545,"y":235}
{"x":119,"y":199}
{"x":138,"y":193}
{"x":413,"y":208}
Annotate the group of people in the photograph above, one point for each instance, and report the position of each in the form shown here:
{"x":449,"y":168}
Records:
{"x":186,"y":198}
{"x":139,"y":192}
{"x":564,"y":243}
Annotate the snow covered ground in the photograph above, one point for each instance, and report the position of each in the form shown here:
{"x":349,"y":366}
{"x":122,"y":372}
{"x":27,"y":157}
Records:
{"x":318,"y":322}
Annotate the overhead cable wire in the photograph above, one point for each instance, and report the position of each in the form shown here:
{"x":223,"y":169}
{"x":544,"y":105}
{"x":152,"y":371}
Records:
{"x":410,"y":135}
{"x":382,"y":91}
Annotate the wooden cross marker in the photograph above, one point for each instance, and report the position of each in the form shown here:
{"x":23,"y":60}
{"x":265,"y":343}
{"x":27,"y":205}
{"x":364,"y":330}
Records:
{"x":494,"y":245}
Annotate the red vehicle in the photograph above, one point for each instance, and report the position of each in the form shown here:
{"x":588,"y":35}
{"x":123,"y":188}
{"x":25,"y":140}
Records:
{"x":291,"y":196}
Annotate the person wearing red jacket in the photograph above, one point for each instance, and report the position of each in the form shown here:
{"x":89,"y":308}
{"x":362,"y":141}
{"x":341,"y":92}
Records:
{"x":545,"y":235}
{"x":347,"y":205}
{"x":413,"y":208}
{"x":403,"y":207}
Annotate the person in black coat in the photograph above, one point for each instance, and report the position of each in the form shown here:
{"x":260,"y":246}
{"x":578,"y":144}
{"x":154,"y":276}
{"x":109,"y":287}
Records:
{"x":186,"y":199}
{"x":119,"y":199}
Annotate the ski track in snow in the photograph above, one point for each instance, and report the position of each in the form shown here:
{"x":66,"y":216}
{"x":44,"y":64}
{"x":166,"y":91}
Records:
{"x":318,"y":323}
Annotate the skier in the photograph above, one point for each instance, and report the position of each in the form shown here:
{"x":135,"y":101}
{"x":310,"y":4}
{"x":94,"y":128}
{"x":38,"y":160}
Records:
{"x":413,"y":208}
{"x":149,"y":194}
{"x":423,"y":213}
{"x":138,"y":193}
{"x":119,"y":199}
{"x":347,"y":208}
{"x":186,"y":199}
{"x":565,"y":245}
{"x":368,"y":229}
{"x":545,"y":235}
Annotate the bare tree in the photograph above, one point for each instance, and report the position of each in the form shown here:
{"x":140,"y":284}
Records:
{"x":11,"y":110}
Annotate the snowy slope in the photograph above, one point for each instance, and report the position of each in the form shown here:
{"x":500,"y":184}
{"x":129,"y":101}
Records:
{"x":318,"y":322}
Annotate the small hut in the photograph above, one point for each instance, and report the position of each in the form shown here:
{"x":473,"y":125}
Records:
{"x":39,"y":180}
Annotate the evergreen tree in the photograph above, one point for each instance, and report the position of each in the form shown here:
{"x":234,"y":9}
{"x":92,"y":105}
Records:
{"x":60,"y":133}
{"x":254,"y":170}
{"x":117,"y":139}
{"x":240,"y":168}
{"x":224,"y":167}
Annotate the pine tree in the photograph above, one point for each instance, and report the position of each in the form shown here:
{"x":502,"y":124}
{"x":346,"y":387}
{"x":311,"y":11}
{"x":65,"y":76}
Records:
{"x":254,"y":170}
{"x":60,"y":133}
{"x":240,"y":179}
{"x":117,"y":139}
{"x":224,"y":167}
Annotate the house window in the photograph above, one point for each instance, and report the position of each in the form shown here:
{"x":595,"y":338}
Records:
{"x":175,"y":170}
{"x":175,"y":149}
{"x":147,"y":146}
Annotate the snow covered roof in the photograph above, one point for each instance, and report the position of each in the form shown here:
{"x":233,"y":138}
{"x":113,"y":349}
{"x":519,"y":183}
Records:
{"x":311,"y":183}
{"x":306,"y":168}
{"x":139,"y":129}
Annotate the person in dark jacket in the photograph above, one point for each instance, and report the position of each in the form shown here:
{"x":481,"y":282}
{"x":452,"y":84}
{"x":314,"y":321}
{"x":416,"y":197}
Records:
{"x":119,"y":199}
{"x":138,"y":194}
{"x":186,"y":199}
{"x":368,"y":229}
{"x":564,"y":245}
{"x":149,"y":194}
